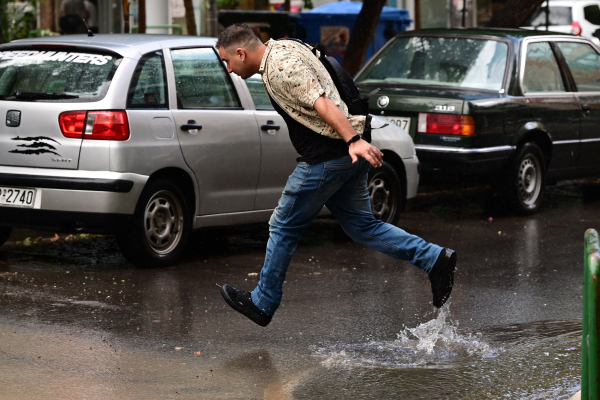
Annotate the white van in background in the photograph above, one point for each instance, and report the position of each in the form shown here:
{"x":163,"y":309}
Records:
{"x":579,"y":17}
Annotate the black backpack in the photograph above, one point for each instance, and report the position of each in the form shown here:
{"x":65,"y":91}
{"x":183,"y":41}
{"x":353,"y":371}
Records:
{"x":344,"y":83}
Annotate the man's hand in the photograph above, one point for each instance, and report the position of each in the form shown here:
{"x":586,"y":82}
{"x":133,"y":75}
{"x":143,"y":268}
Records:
{"x":366,"y":150}
{"x":336,"y":119}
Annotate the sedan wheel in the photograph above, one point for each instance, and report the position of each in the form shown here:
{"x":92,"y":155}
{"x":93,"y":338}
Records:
{"x":529,"y":180}
{"x":385,"y":191}
{"x":524,"y":185}
{"x":160,"y":226}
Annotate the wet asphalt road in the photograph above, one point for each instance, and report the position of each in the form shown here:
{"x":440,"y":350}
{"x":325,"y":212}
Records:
{"x":77,"y":321}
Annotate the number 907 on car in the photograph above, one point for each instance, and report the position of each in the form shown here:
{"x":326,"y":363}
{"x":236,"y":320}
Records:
{"x":17,"y":197}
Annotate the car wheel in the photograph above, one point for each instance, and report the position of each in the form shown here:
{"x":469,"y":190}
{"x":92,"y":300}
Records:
{"x":4,"y":234}
{"x":386,"y":193}
{"x":160,"y":227}
{"x":524,"y":186}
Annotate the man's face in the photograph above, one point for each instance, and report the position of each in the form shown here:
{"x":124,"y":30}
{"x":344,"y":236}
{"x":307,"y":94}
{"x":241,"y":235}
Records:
{"x":235,"y":62}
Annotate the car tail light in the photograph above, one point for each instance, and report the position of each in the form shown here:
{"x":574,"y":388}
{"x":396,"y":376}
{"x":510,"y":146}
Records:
{"x":576,"y":28}
{"x":72,"y":123}
{"x":96,"y":125}
{"x":446,"y":124}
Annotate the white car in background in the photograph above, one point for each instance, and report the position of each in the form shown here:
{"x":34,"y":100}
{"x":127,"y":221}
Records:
{"x":579,"y":17}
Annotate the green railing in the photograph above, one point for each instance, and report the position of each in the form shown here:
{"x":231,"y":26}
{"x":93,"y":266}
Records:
{"x":590,"y":375}
{"x":134,"y":29}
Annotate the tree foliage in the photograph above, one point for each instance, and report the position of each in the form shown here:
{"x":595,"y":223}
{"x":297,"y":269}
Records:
{"x":17,"y":18}
{"x":514,"y":13}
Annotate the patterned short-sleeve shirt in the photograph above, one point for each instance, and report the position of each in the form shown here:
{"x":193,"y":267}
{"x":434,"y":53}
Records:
{"x":295,"y":79}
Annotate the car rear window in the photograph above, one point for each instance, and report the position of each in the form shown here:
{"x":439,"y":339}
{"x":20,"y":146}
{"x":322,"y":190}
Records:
{"x":55,"y":75}
{"x":556,"y":16}
{"x":592,"y":14}
{"x":445,"y":61}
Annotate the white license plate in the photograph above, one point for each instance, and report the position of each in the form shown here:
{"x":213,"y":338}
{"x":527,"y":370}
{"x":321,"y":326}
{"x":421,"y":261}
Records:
{"x":17,"y":197}
{"x":402,"y":122}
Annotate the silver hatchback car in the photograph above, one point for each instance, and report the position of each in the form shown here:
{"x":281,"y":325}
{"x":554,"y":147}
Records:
{"x":148,"y":137}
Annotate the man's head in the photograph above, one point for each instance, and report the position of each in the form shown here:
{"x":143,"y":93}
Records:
{"x":241,"y":50}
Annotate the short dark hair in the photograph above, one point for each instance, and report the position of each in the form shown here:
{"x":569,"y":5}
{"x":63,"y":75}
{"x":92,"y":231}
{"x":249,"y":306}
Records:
{"x":237,"y":35}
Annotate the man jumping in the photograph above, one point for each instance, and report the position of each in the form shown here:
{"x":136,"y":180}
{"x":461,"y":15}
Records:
{"x":332,"y":171}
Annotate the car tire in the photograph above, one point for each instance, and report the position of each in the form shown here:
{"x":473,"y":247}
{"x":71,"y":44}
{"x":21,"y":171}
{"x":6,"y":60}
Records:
{"x":4,"y":234}
{"x":524,"y":186}
{"x":160,"y":226}
{"x":386,"y":193}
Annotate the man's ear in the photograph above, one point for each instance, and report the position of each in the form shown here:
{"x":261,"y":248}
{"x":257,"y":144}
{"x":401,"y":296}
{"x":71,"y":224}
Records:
{"x":239,"y":52}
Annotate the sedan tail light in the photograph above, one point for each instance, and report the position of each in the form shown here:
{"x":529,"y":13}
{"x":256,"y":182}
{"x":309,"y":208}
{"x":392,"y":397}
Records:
{"x":576,"y":28}
{"x":96,"y":125}
{"x":446,"y":124}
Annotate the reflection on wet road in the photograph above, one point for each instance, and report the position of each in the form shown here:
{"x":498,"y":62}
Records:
{"x":77,"y":321}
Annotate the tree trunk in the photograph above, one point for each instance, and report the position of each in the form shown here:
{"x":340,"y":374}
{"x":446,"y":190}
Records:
{"x":514,"y":13}
{"x":3,"y":21}
{"x":141,"y":16}
{"x":362,"y":35}
{"x":190,"y":21}
{"x":47,"y":14}
{"x":417,"y":14}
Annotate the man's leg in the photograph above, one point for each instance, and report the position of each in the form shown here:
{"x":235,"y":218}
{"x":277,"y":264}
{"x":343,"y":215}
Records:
{"x":300,"y":203}
{"x":352,"y":208}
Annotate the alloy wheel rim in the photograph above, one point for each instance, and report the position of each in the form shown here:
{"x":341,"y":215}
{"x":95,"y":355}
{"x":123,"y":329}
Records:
{"x":529,"y":180}
{"x":163,"y":222}
{"x":381,"y":197}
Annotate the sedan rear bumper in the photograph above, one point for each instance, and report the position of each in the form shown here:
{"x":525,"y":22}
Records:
{"x":455,"y":159}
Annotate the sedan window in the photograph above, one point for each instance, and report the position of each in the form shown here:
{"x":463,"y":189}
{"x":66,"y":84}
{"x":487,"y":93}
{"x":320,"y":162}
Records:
{"x":258,"y":93}
{"x":444,"y":61}
{"x":542,"y":73}
{"x":584,"y":63}
{"x":201,"y":81}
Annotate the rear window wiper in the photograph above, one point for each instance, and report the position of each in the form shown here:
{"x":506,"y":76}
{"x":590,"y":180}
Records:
{"x":17,"y":95}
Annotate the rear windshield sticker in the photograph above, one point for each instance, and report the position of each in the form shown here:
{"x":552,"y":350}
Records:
{"x":39,"y":146}
{"x":80,"y":58}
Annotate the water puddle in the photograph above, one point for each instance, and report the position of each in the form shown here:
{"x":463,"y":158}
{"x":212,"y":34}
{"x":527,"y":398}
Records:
{"x":436,"y":343}
{"x":436,"y":359}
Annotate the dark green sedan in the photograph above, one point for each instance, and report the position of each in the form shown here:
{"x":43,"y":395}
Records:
{"x":513,"y":107}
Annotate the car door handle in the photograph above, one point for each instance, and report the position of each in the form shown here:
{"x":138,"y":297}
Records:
{"x":586,"y":107}
{"x":192,"y":127}
{"x":270,"y":127}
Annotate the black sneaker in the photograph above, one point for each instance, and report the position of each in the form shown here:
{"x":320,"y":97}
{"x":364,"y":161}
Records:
{"x":442,"y":277}
{"x":241,"y":302}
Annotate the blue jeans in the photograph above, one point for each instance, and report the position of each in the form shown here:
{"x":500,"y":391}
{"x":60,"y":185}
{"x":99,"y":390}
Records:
{"x":342,"y":187}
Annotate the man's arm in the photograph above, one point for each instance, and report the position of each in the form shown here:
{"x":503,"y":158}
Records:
{"x":336,"y":119}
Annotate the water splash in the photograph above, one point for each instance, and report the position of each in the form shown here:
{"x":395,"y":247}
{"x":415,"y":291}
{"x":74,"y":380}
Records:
{"x":433,"y":344}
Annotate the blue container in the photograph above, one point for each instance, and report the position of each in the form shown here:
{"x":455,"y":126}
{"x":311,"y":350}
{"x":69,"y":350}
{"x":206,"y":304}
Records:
{"x":331,"y":25}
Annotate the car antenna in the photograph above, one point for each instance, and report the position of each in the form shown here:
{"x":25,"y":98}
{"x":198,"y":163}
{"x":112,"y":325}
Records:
{"x":90,"y":33}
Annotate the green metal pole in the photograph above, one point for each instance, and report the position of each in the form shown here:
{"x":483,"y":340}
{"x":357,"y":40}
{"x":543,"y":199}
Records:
{"x":590,"y":377}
